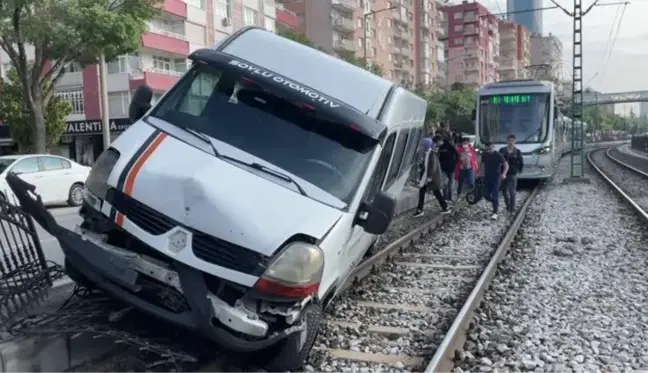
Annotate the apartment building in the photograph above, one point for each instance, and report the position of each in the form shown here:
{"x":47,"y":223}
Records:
{"x":286,"y":19}
{"x":515,"y":51}
{"x":181,"y":28}
{"x":473,"y":44}
{"x":522,"y":12}
{"x":546,"y":57}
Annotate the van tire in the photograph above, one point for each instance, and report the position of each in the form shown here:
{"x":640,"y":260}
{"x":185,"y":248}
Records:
{"x":290,"y":354}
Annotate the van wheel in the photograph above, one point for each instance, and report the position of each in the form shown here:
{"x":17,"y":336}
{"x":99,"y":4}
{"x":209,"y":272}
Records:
{"x":75,"y":196}
{"x":291,"y":353}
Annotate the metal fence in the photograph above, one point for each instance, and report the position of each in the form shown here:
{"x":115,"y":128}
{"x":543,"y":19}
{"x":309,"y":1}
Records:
{"x":24,"y":274}
{"x":639,"y":142}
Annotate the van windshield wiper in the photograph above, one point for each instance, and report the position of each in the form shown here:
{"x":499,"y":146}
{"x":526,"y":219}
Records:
{"x":205,"y":138}
{"x":268,"y":170}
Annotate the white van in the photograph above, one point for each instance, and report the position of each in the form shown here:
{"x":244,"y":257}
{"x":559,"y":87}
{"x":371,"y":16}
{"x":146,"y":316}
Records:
{"x":241,"y":201}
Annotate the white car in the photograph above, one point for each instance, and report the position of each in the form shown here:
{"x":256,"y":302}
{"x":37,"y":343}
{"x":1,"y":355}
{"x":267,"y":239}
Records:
{"x":57,"y":179}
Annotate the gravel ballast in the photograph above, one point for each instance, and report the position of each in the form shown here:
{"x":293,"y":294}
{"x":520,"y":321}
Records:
{"x":632,"y":183}
{"x":468,"y":239}
{"x":570,"y":296}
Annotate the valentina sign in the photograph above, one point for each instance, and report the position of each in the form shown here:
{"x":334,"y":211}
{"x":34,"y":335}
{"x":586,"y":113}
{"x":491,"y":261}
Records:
{"x":94,"y":126}
{"x":315,"y":96}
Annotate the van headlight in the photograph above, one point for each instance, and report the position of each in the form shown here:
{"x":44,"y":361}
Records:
{"x":295,"y":273}
{"x":543,"y":150}
{"x":97,"y":182}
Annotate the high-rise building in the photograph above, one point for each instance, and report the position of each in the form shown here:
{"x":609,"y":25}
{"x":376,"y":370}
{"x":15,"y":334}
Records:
{"x":546,"y":57}
{"x":515,"y":51}
{"x":473,"y":44}
{"x":324,"y":21}
{"x":181,"y":28}
{"x":521,"y":12}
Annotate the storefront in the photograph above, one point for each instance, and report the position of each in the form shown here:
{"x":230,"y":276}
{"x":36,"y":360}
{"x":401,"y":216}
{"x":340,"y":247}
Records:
{"x":83,"y":140}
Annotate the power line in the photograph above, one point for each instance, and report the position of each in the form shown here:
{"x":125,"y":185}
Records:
{"x":608,"y":42}
{"x":614,"y":40}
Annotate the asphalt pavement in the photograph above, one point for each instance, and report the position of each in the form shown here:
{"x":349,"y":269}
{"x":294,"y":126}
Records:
{"x":69,"y":218}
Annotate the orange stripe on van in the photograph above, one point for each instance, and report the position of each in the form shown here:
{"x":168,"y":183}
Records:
{"x":135,"y":170}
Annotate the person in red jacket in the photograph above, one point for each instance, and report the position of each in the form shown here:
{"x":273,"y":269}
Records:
{"x":467,"y":167}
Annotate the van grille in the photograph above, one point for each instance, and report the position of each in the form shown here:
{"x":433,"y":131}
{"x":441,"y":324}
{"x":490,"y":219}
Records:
{"x":206,"y":247}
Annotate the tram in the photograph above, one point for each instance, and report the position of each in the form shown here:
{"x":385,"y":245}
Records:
{"x":527,"y":109}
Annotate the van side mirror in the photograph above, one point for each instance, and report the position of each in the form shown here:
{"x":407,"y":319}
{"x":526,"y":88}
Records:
{"x":473,"y":114}
{"x":140,"y":103}
{"x":376,"y":216}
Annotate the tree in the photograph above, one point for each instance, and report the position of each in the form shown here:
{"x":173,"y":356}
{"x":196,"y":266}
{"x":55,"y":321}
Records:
{"x":298,"y":37}
{"x":61,"y":32}
{"x":14,"y":111}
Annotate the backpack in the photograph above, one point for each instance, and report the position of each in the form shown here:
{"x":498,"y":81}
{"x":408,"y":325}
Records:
{"x":478,"y":192}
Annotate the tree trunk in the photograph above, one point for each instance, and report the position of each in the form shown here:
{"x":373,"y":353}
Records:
{"x":40,"y":135}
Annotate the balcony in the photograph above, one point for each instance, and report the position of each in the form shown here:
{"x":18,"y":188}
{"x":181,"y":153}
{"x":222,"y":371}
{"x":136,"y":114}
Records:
{"x":159,"y":80}
{"x":440,"y":32}
{"x":404,"y":51}
{"x":400,"y":16}
{"x":343,"y":45}
{"x":287,"y":18}
{"x":175,"y":7}
{"x":343,"y":24}
{"x":401,"y":33}
{"x":345,"y":5}
{"x":471,"y":31}
{"x":166,"y":43}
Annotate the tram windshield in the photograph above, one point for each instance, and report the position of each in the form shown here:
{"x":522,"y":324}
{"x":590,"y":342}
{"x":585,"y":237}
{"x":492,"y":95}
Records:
{"x":526,"y":116}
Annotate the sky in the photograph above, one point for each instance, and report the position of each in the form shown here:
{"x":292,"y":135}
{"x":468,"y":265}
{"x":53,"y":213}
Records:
{"x":627,"y":61}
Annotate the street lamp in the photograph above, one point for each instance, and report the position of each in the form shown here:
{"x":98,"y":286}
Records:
{"x":366,"y":15}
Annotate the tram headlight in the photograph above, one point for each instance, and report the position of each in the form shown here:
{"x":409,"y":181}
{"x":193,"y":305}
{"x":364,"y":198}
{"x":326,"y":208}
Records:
{"x":543,"y":150}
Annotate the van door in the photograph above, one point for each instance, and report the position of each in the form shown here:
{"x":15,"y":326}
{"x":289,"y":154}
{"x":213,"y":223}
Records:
{"x":360,"y":241}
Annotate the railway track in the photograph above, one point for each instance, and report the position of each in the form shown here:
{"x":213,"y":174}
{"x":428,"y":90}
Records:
{"x":620,"y":170}
{"x":405,"y":308}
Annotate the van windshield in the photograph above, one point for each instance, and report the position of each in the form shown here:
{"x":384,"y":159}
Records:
{"x":293,"y":136}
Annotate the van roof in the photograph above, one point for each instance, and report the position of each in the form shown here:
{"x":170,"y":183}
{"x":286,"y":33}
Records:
{"x":336,"y":78}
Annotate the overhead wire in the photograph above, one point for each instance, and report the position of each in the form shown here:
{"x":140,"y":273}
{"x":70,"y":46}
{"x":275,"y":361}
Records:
{"x":616,"y":35}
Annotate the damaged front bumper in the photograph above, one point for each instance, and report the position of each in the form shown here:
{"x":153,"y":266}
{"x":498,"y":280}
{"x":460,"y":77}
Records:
{"x":119,"y":272}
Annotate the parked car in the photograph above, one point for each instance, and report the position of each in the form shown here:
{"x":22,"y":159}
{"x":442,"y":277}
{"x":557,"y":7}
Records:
{"x":57,"y":179}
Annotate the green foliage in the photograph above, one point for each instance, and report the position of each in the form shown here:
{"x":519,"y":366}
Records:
{"x":14,"y":111}
{"x":297,"y":37}
{"x":63,"y":31}
{"x":452,"y":107}
{"x":600,"y":120}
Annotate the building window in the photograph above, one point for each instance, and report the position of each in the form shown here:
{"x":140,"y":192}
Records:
{"x":270,"y":24}
{"x":73,"y":67}
{"x":118,"y":104}
{"x":123,"y":64}
{"x":222,"y":8}
{"x":200,"y":4}
{"x":75,"y":98}
{"x":458,"y":15}
{"x":165,"y":64}
{"x":250,"y":17}
{"x":161,"y":63}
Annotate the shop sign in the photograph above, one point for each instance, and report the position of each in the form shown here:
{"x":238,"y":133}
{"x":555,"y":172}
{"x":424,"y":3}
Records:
{"x":90,"y":127}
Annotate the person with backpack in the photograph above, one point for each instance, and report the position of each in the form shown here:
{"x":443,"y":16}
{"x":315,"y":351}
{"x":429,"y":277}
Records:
{"x":513,"y":157}
{"x":430,"y":177}
{"x":495,"y":170}
{"x":467,"y":167}
{"x":448,"y":157}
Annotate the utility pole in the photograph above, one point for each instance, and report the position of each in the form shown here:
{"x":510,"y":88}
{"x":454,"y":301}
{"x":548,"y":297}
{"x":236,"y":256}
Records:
{"x":577,"y":155}
{"x":105,"y":112}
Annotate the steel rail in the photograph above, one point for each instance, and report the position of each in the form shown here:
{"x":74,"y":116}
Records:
{"x":367,"y":267}
{"x":614,"y":185}
{"x":621,"y":163}
{"x":442,"y":361}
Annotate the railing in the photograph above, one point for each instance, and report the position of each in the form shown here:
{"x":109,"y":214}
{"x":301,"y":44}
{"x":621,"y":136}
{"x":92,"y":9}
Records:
{"x":163,"y":71}
{"x":157,"y":30}
{"x":344,"y":23}
{"x":343,"y":44}
{"x":345,"y":3}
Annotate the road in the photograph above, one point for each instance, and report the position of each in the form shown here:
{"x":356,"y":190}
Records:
{"x":68,"y":217}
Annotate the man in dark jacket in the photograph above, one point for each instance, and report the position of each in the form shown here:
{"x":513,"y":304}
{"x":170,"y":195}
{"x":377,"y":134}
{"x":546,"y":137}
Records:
{"x":430,"y":176}
{"x":448,"y":156}
{"x":513,"y":157}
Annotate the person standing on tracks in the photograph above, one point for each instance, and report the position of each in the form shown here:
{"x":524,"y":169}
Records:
{"x":495,"y":170}
{"x":430,"y":176}
{"x":467,"y":166}
{"x":448,"y":156}
{"x":513,"y":157}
